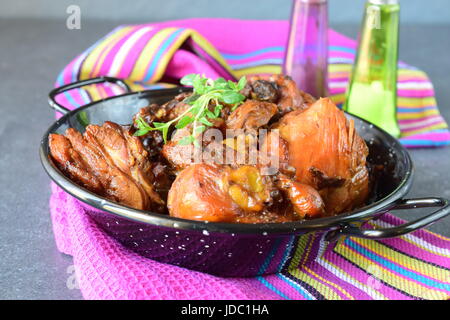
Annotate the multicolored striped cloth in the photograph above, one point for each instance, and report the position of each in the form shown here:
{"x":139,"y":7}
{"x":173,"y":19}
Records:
{"x":415,"y":266}
{"x":158,"y":55}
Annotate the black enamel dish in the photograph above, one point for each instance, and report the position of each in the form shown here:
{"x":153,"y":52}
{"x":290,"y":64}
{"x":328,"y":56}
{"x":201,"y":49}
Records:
{"x":227,"y":249}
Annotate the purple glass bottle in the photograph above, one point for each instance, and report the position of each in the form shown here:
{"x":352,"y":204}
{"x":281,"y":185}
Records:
{"x":306,"y":57}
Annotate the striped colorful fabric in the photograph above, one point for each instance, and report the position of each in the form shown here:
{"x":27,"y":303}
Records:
{"x":158,"y":55}
{"x":411,"y":267}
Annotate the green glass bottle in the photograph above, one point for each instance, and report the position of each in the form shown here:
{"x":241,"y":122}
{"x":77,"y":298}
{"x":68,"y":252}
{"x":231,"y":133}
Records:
{"x":372,"y":93}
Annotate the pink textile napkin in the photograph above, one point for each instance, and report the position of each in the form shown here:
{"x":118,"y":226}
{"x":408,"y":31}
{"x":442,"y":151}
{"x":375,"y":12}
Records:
{"x":106,"y":270}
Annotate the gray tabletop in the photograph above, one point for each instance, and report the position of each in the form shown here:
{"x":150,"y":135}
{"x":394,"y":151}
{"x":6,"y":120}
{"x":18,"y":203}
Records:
{"x":32,"y":53}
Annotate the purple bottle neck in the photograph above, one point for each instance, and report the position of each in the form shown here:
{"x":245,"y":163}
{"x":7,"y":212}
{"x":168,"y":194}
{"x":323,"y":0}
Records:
{"x":306,"y":55}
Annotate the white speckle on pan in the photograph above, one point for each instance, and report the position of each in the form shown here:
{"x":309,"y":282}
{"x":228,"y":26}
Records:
{"x":205,"y":232}
{"x":264,"y":233}
{"x":206,"y":246}
{"x":202,"y":240}
{"x":140,"y":229}
{"x":176,"y":225}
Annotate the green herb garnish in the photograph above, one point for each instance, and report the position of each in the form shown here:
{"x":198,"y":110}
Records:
{"x":205,"y":91}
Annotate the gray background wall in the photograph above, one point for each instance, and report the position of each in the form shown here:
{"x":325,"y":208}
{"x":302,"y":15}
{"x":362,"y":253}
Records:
{"x":341,"y":11}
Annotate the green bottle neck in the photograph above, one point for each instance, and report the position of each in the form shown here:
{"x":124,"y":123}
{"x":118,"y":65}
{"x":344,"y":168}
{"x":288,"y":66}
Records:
{"x":378,"y":47}
{"x":372,"y":93}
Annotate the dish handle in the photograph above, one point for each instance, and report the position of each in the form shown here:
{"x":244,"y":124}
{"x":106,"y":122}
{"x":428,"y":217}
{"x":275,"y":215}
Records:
{"x":376,"y":234}
{"x":75,"y":85}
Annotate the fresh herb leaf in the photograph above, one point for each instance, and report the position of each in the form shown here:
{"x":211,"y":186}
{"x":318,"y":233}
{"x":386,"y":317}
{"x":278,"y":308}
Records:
{"x":140,"y":133}
{"x":217,"y":110}
{"x":184,"y":122}
{"x":191,"y":99}
{"x":241,"y":84}
{"x":232,"y":97}
{"x":188,"y":80}
{"x":158,"y":125}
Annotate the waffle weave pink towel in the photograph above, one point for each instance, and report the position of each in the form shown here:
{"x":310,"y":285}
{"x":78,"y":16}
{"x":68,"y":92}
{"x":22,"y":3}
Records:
{"x":106,"y":270}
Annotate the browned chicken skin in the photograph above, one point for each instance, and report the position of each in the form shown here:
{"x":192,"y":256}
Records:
{"x":71,"y":162}
{"x":322,"y":142}
{"x":114,"y":164}
{"x":278,"y":89}
{"x":291,"y":97}
{"x":252,"y":114}
{"x":200,"y":192}
{"x":305,"y":200}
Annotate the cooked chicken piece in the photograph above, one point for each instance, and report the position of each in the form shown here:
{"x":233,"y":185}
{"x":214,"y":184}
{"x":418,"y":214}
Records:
{"x":175,"y":107}
{"x":264,"y":90}
{"x":278,"y":89}
{"x":200,"y":192}
{"x":69,"y":161}
{"x":179,"y":156}
{"x":305,"y":200}
{"x":252,"y":114}
{"x":126,"y":152}
{"x":274,"y":154}
{"x":118,"y":186}
{"x":115,"y":160}
{"x":221,"y":194}
{"x":324,"y":146}
{"x":291,"y":97}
